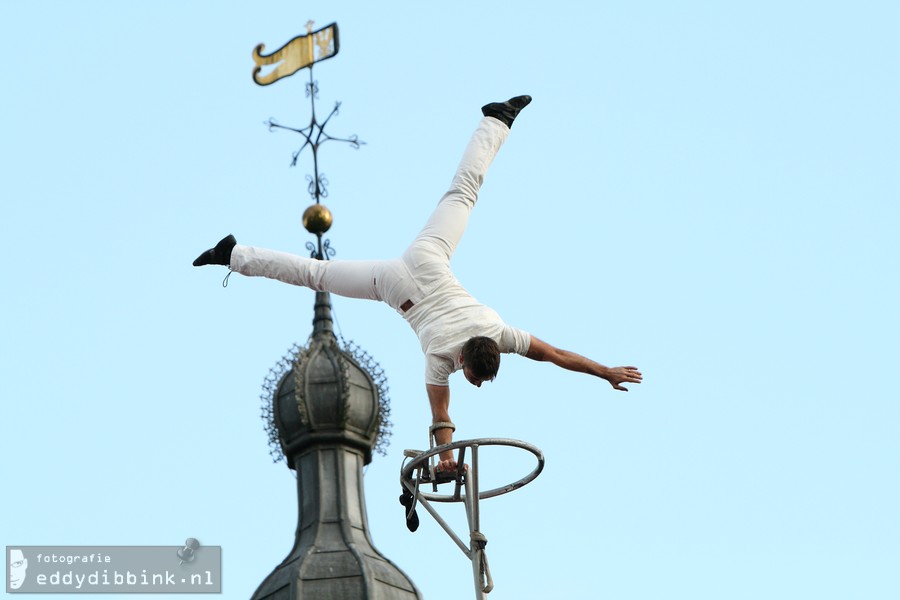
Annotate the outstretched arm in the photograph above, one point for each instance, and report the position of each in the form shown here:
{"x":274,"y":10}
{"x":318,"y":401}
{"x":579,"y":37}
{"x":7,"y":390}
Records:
{"x":616,"y":376}
{"x":439,"y":398}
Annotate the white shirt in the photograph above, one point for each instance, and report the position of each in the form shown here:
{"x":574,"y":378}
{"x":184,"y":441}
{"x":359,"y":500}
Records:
{"x":447,"y":318}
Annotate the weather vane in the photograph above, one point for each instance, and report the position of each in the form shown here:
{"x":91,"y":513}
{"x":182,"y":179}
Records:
{"x":301,"y":52}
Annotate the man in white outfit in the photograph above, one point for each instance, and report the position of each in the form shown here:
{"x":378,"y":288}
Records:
{"x":455,"y":331}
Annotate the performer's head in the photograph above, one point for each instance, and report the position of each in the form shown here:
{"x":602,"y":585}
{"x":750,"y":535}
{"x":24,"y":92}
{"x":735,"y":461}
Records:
{"x":480,"y":358}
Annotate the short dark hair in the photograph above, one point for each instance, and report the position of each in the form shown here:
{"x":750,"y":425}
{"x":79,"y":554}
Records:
{"x":482,"y":355}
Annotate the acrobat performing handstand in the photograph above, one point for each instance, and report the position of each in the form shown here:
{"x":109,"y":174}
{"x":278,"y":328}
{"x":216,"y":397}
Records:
{"x":455,"y":331}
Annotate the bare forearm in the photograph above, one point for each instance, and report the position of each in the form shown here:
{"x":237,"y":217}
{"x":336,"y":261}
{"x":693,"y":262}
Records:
{"x":439,"y":399}
{"x":544,"y":352}
{"x":444,"y":436}
{"x":578,"y":363}
{"x":616,"y":376}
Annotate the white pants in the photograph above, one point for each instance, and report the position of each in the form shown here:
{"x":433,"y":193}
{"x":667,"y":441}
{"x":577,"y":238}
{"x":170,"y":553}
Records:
{"x":399,"y":282}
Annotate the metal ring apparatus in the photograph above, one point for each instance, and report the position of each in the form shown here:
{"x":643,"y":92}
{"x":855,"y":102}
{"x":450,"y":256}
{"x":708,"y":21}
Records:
{"x":419,"y":462}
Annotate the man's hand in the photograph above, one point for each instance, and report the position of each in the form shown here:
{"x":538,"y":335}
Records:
{"x":619,"y":375}
{"x":446,"y":465}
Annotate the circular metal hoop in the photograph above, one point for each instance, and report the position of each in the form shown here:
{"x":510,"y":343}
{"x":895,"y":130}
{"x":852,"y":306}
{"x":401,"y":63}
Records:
{"x":406,"y":473}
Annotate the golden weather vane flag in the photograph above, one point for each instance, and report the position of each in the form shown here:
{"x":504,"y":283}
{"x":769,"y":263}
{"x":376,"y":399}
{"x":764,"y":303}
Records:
{"x":300,"y":52}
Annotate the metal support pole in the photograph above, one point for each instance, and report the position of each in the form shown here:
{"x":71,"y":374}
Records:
{"x":411,"y":474}
{"x":471,"y":501}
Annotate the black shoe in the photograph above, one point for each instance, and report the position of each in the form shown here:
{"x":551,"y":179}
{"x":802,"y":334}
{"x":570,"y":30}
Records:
{"x":412,"y":519}
{"x":220,"y":255}
{"x":506,"y":111}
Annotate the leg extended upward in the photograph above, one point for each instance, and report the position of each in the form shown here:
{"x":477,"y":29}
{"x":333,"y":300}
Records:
{"x":444,"y":229}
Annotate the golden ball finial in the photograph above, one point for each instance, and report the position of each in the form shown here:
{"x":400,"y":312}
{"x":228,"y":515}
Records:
{"x":317,"y":219}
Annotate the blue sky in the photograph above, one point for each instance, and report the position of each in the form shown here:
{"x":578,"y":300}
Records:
{"x":706,"y":190}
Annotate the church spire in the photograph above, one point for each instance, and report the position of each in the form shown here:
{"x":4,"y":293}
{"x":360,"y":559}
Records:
{"x":326,"y":409}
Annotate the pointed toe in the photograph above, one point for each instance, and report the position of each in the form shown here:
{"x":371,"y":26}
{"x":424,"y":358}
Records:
{"x":219,"y":255}
{"x":506,"y":112}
